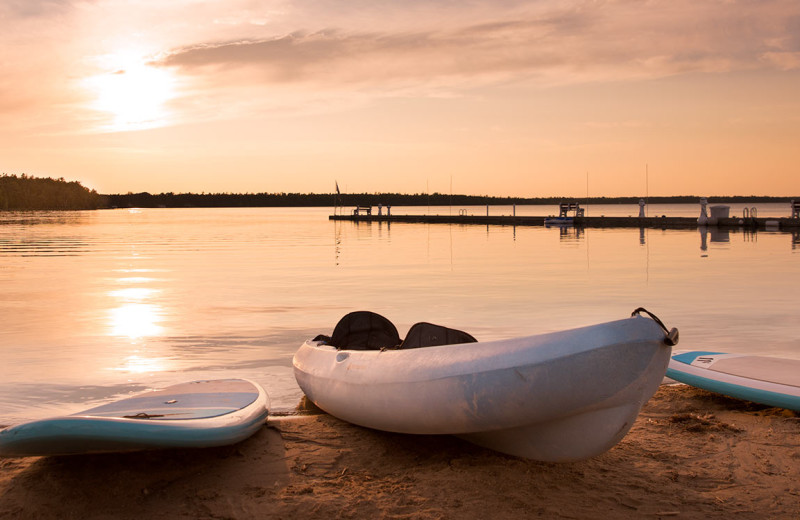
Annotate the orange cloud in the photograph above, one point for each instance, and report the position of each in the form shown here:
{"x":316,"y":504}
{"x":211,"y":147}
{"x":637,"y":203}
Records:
{"x":599,"y":41}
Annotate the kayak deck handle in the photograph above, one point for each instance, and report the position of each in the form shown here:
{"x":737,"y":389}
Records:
{"x":671,"y":335}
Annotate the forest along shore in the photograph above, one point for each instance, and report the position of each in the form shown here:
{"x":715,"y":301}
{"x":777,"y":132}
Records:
{"x":43,"y":193}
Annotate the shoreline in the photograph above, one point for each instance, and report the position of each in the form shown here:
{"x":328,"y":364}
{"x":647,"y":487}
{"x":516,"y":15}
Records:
{"x":690,"y":454}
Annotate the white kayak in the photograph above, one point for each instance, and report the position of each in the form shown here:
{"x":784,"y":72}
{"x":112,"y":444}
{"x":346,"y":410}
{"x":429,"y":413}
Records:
{"x":560,"y":396}
{"x":189,"y":415}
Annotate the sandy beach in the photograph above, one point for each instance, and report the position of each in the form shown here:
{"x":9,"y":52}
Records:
{"x":691,"y":454}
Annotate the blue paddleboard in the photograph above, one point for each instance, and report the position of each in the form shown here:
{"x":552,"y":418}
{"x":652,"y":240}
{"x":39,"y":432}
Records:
{"x":760,"y":379}
{"x":189,"y":415}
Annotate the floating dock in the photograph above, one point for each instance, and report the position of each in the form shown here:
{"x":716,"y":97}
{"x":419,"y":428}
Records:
{"x":663,"y":222}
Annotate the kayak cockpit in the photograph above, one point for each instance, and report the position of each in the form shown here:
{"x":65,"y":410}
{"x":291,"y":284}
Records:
{"x":366,"y":330}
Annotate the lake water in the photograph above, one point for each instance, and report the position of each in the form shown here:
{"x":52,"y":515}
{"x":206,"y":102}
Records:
{"x":99,"y":304}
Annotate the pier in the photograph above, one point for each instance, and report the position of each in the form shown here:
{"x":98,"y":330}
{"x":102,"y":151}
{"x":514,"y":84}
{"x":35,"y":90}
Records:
{"x":661,"y":222}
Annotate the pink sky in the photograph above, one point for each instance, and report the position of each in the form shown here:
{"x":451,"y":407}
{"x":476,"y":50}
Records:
{"x":491,"y":97}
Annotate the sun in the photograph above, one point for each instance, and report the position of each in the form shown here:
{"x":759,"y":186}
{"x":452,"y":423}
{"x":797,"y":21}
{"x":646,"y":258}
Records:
{"x":133,"y":94}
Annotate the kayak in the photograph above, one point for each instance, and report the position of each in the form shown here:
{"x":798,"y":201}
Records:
{"x":559,"y":396}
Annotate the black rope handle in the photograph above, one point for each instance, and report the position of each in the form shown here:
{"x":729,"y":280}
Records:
{"x":671,"y":335}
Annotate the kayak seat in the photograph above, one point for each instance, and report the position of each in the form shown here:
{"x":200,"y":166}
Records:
{"x":425,"y":334}
{"x":364,"y":330}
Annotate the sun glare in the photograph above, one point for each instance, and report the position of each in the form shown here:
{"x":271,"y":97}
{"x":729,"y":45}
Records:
{"x":134,"y":94}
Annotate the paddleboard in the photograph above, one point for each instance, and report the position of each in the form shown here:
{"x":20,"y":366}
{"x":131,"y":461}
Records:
{"x":760,"y":379}
{"x":189,"y":415}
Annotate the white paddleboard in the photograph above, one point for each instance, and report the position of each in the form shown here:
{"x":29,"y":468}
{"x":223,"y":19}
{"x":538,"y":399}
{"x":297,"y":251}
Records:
{"x":760,"y":379}
{"x":188,"y":415}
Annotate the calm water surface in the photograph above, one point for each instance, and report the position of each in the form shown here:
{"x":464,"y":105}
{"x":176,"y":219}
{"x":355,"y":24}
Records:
{"x":96,"y":305}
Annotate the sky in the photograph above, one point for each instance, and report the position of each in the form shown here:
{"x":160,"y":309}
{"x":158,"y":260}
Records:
{"x":481,"y":97}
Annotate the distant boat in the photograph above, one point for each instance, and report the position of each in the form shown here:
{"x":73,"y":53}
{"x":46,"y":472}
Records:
{"x":559,"y":221}
{"x":563,"y":218}
{"x":559,"y":396}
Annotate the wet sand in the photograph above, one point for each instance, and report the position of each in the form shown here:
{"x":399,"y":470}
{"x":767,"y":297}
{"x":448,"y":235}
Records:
{"x":691,"y":454}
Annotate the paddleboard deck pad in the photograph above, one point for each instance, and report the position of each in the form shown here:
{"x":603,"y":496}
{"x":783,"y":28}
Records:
{"x":198,"y":414}
{"x":760,"y":379}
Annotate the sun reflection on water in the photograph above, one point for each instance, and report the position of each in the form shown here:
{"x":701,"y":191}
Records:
{"x":135,"y":279}
{"x":136,"y":320}
{"x":136,"y":315}
{"x":136,"y":364}
{"x":133,"y":293}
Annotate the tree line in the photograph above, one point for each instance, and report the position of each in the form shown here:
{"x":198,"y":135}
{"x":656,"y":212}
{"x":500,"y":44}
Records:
{"x":44,"y":193}
{"x":214,"y":200}
{"x":35,"y":193}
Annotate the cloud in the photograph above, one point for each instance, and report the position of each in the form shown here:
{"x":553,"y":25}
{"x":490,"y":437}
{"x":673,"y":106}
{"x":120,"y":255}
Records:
{"x":34,"y":8}
{"x":587,"y":42}
{"x":285,"y":56}
{"x":783,"y":60}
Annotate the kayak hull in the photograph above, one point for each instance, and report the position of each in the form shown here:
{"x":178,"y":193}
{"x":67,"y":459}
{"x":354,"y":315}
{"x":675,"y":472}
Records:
{"x":561,"y":396}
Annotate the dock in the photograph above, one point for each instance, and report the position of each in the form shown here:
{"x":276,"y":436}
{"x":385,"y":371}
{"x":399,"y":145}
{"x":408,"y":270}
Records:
{"x":662,"y":222}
